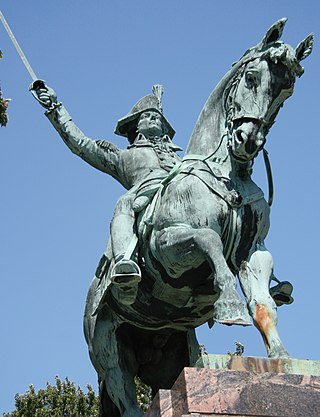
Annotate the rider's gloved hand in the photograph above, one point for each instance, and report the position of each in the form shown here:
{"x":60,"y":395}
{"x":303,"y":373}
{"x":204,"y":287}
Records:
{"x":44,"y":94}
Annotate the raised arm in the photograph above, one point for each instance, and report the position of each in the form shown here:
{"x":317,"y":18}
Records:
{"x":100,"y":154}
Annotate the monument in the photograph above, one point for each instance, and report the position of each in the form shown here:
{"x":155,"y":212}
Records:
{"x":187,"y":229}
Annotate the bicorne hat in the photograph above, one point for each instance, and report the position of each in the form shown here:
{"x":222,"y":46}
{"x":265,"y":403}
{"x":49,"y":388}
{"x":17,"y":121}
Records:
{"x":127,"y":126}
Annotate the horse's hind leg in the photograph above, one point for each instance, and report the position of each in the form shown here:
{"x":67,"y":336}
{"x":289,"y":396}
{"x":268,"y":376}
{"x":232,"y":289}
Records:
{"x":181,"y":248}
{"x":118,"y":394}
{"x":175,"y":350}
{"x":116,"y":365}
{"x":254,"y":277}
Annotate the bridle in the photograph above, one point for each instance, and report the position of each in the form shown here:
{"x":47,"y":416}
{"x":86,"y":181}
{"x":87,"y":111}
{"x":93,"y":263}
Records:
{"x":230,"y":111}
{"x":231,"y":90}
{"x":264,"y":123}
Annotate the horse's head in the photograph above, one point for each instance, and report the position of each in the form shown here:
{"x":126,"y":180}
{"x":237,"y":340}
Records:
{"x":263,"y":80}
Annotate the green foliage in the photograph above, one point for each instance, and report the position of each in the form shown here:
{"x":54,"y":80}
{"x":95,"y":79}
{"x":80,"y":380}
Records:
{"x":61,"y":400}
{"x":3,"y":107}
{"x":64,"y":399}
{"x":144,"y":395}
{"x":3,"y":111}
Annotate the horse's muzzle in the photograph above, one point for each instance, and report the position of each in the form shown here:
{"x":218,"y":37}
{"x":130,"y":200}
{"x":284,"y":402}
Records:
{"x":248,"y":138}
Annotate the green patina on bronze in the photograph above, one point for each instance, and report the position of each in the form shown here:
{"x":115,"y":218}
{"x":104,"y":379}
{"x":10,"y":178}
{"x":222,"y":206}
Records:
{"x":289,"y":366}
{"x":187,"y":229}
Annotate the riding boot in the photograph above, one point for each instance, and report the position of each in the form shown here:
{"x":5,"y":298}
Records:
{"x":125,"y":274}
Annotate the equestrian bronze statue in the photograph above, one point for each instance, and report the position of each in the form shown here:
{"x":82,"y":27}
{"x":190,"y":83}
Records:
{"x":189,"y":233}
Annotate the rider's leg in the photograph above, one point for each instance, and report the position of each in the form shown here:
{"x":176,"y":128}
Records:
{"x":122,"y":225}
{"x":254,"y":276}
{"x":183,"y":248}
{"x":123,"y":235}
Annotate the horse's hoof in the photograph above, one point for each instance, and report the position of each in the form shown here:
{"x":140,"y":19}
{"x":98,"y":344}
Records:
{"x":278,"y":351}
{"x":231,"y":315}
{"x":239,"y":321}
{"x":230,"y":310}
{"x":281,"y":293}
{"x":279,"y":355}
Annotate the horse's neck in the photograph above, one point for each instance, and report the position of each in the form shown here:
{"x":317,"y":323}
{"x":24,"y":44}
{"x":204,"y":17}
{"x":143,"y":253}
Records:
{"x":211,"y":124}
{"x":209,"y":128}
{"x":210,"y":134}
{"x":220,"y":158}
{"x":223,"y":163}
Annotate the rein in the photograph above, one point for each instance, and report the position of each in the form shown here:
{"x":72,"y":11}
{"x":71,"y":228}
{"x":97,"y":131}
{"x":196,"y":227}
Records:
{"x":269,"y":176}
{"x":229,"y":106}
{"x":177,"y":169}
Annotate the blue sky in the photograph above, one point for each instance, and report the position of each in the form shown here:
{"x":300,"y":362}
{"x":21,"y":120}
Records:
{"x":101,"y":57}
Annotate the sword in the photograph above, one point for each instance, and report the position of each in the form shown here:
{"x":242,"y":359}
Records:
{"x":36,"y":82}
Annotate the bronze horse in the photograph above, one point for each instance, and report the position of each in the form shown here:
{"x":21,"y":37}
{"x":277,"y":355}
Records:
{"x":204,"y":229}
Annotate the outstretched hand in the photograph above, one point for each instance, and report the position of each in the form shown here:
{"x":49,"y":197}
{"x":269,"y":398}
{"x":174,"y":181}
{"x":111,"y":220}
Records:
{"x":44,"y":94}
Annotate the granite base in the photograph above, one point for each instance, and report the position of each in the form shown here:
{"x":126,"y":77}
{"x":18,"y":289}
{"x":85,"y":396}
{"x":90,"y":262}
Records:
{"x":242,"y":387}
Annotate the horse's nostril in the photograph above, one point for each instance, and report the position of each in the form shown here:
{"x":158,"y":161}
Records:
{"x":251,"y":147}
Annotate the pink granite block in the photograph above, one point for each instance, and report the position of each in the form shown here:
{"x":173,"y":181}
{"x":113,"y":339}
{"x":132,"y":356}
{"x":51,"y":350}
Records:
{"x":167,"y":403}
{"x":220,"y":392}
{"x":161,"y":405}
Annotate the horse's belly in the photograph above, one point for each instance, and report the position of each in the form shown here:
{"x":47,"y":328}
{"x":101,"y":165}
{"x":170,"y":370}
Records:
{"x":168,"y":307}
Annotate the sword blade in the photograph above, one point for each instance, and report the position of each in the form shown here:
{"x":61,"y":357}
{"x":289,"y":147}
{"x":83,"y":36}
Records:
{"x":18,"y":48}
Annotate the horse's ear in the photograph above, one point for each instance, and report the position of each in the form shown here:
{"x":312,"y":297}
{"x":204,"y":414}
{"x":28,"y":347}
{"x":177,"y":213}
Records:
{"x":304,"y":49}
{"x":275,"y":32}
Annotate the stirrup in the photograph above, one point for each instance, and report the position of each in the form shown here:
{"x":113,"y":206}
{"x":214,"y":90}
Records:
{"x":125,"y":273}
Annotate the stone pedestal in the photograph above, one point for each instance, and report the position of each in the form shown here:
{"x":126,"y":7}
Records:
{"x":242,"y":386}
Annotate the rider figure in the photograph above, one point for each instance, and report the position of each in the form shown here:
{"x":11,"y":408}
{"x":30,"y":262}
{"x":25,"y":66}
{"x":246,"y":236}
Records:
{"x":140,"y":168}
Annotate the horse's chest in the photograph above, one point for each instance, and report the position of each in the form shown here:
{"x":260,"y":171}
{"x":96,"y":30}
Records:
{"x":247,"y":224}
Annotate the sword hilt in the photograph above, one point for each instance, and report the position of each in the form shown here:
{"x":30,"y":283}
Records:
{"x":37,"y":84}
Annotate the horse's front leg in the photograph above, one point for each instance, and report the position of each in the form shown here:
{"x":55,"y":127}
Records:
{"x":254,"y":276}
{"x":180,"y":249}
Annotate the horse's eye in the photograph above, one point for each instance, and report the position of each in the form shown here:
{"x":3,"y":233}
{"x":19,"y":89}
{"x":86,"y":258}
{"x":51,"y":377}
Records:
{"x":251,"y":79}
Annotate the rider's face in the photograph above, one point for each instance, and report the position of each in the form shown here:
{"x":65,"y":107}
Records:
{"x":150,"y":124}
